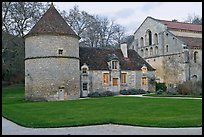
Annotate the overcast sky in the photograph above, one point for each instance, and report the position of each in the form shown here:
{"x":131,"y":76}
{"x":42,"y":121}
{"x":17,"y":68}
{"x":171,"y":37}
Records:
{"x":132,"y":14}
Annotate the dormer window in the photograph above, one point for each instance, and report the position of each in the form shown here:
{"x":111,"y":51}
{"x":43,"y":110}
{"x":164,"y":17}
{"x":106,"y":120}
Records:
{"x":84,"y":70}
{"x":114,"y":64}
{"x":144,"y":69}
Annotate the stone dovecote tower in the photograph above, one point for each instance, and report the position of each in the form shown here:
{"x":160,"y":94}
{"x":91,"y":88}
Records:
{"x":52,"y":59}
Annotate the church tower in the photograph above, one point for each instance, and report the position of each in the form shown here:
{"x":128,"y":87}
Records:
{"x":52,"y":59}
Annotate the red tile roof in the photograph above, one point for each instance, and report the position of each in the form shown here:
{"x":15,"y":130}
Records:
{"x":97,"y":58}
{"x":52,"y":23}
{"x":182,"y":25}
{"x":192,"y":42}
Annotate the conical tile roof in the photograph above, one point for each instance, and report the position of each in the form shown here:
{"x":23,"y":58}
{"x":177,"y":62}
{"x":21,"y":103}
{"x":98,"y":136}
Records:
{"x":52,"y":23}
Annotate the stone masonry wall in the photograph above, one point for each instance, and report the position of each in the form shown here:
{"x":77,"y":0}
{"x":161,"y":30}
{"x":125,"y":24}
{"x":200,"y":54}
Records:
{"x":169,"y":62}
{"x":46,"y":70}
{"x":133,"y":81}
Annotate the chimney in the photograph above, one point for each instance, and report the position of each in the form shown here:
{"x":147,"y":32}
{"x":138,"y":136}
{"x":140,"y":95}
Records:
{"x":123,"y":47}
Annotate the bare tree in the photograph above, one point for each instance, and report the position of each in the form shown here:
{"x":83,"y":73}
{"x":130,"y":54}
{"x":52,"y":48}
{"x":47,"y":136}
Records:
{"x":95,"y":31}
{"x":194,"y":19}
{"x":78,"y":20}
{"x":19,"y":17}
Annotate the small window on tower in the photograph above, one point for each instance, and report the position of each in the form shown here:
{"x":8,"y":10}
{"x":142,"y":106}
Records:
{"x":60,"y":51}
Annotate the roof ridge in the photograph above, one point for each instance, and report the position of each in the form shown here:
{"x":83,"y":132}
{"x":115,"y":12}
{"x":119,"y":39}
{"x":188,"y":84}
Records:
{"x":178,"y":22}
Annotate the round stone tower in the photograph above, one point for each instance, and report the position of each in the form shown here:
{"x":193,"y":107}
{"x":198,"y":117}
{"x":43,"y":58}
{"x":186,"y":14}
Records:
{"x":52,"y":59}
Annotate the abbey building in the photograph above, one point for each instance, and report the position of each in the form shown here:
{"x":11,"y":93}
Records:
{"x":174,"y":49}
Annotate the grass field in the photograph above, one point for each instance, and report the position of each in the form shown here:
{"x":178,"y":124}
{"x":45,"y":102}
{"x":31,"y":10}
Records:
{"x":151,"y":112}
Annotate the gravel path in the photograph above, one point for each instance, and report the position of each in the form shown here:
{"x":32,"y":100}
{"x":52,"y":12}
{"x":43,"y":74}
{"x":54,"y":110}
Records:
{"x":160,"y":97}
{"x":10,"y":128}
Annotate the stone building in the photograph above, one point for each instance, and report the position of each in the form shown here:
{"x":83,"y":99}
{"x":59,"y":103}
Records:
{"x":114,"y":70}
{"x":56,"y":68}
{"x":174,"y":49}
{"x":52,"y":59}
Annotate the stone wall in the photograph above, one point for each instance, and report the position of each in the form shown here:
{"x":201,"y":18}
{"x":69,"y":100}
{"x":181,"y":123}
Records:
{"x":48,"y":45}
{"x":196,"y":67}
{"x":169,"y":61}
{"x":157,"y":63}
{"x":46,"y":71}
{"x":133,"y":81}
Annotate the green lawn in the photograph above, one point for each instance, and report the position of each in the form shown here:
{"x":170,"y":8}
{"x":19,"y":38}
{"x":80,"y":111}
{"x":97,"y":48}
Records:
{"x":154,"y":112}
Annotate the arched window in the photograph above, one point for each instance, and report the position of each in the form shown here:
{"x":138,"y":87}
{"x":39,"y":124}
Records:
{"x":146,"y":52}
{"x":194,"y":77}
{"x":195,"y":56}
{"x":141,"y":42}
{"x":155,"y":39}
{"x":167,"y":48}
{"x":144,"y":69}
{"x":142,"y":53}
{"x":148,"y":38}
{"x":84,"y":69}
{"x":156,"y":50}
{"x":151,"y":51}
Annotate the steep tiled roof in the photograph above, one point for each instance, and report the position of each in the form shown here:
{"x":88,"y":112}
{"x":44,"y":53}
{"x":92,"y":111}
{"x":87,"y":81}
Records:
{"x":52,"y":23}
{"x":97,"y":58}
{"x":192,"y":42}
{"x":182,"y":25}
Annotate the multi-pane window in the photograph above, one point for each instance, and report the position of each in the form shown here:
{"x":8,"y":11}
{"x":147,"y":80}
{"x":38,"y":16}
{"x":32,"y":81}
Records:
{"x":124,"y":78}
{"x":115,"y":81}
{"x":114,"y":64}
{"x":85,"y":86}
{"x":144,"y":80}
{"x":105,"y":78}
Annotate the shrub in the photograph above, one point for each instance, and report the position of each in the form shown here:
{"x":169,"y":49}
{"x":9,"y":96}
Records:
{"x":190,"y":88}
{"x":161,"y":87}
{"x":159,"y":91}
{"x":101,"y":94}
{"x":123,"y":92}
{"x":132,"y":92}
{"x":5,"y":83}
{"x":94,"y":94}
{"x":106,"y":93}
{"x":141,"y":91}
